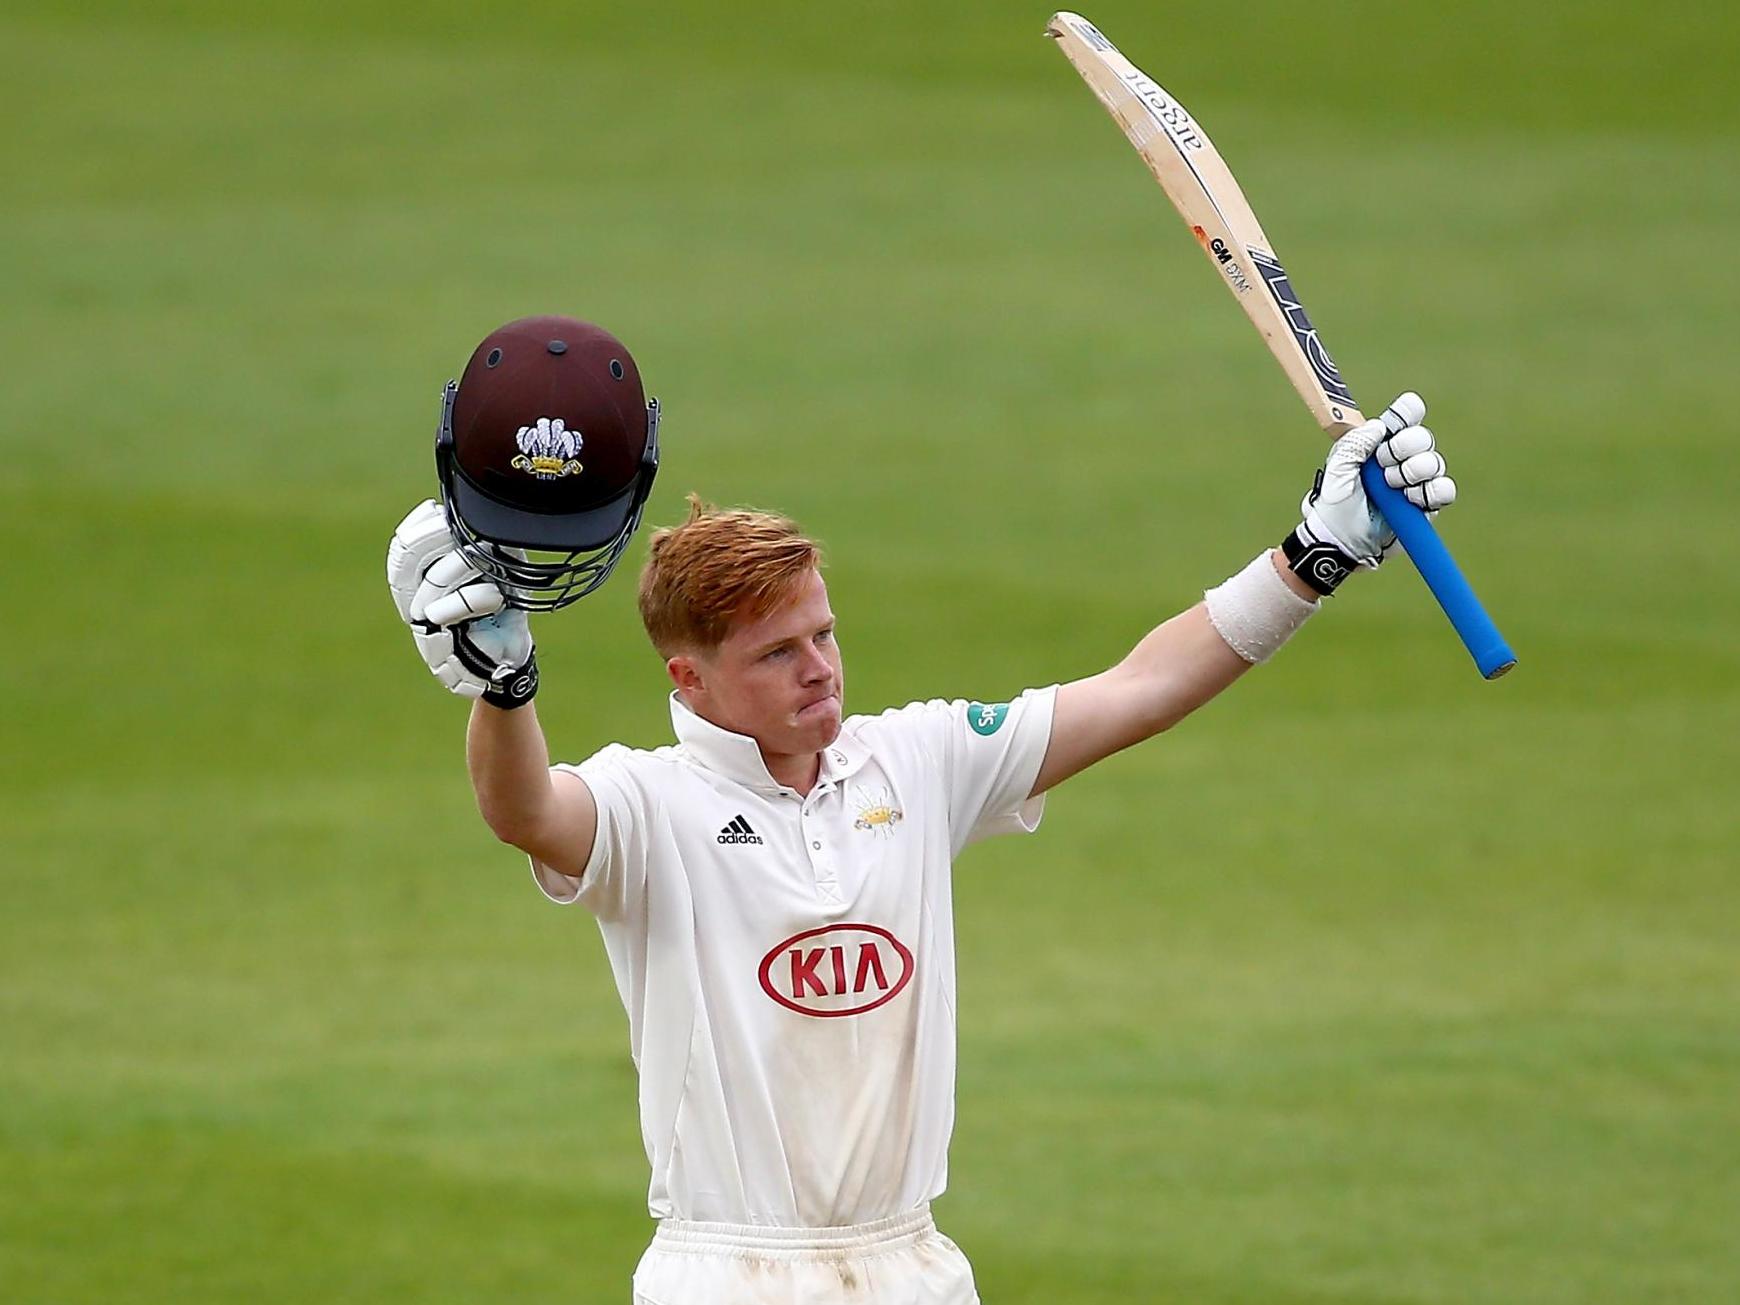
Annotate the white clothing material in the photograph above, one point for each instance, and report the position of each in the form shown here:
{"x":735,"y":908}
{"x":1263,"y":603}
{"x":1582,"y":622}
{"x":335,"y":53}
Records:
{"x":902,"y":1260}
{"x":787,"y":961}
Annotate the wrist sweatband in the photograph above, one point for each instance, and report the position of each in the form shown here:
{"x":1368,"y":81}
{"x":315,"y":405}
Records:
{"x":517,"y":690}
{"x":1317,"y":562}
{"x":1255,"y":611}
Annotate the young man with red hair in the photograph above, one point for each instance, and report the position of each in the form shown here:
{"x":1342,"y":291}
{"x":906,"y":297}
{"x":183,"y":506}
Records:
{"x":773,"y":889}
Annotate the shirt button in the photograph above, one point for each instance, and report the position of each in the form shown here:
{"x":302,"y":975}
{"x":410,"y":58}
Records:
{"x":817,"y":846}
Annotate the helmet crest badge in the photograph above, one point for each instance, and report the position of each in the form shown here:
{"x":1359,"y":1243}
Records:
{"x":548,"y":449}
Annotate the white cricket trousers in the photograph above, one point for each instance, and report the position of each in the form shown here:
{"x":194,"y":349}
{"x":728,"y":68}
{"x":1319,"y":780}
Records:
{"x":902,"y":1260}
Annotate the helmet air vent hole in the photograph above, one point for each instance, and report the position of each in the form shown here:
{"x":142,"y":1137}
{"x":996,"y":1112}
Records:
{"x":616,"y":368}
{"x":493,"y":359}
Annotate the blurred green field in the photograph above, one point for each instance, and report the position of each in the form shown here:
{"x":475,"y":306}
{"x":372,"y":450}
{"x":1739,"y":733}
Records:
{"x":1373,"y":984}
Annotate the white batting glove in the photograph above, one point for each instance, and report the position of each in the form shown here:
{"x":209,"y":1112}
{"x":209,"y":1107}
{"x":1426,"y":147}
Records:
{"x":473,"y":643}
{"x":1342,"y":529}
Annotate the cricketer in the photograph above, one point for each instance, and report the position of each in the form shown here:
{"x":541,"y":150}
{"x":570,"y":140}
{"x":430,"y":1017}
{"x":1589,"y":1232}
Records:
{"x":773,"y":886}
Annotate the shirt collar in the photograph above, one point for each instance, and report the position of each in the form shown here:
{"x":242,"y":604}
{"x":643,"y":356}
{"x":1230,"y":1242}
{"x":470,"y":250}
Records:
{"x":738,"y":757}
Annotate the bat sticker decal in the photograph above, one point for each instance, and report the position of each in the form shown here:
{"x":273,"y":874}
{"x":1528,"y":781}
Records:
{"x":1096,"y":38}
{"x":1167,"y":111}
{"x":1223,"y":257}
{"x":1275,"y":277}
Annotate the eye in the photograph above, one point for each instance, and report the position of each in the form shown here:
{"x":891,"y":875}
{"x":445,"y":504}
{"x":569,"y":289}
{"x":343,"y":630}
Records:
{"x":825,"y":636}
{"x":773,"y":653}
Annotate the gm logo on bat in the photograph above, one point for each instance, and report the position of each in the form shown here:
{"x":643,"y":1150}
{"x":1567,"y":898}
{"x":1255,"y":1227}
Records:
{"x":836,"y":970}
{"x":1218,"y":251}
{"x":1223,"y":256}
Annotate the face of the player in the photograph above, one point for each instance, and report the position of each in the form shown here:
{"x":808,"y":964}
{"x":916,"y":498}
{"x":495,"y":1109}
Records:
{"x":777,"y":679}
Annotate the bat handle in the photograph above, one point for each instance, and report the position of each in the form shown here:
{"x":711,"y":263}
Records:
{"x":1441,"y":574}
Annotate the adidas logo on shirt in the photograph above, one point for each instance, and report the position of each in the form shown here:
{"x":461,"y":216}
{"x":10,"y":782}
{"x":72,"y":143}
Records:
{"x":738,"y":831}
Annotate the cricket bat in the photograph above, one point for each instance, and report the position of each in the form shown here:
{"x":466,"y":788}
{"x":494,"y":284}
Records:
{"x":1197,"y":181}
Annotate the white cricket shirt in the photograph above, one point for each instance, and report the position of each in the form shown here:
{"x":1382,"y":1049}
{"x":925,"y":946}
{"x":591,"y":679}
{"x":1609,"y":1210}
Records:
{"x":787,"y":962}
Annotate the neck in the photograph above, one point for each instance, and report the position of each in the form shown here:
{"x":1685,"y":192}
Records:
{"x":796,"y":770}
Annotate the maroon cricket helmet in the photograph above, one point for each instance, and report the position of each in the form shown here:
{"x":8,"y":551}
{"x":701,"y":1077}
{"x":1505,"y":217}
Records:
{"x":548,"y":445}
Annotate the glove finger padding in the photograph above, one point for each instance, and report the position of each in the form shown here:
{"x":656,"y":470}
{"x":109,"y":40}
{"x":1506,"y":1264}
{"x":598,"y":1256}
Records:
{"x":440,"y":652}
{"x":1338,"y":512}
{"x":1439,"y":492}
{"x":445,"y":573}
{"x":453,"y":591}
{"x":1413,"y":465}
{"x":471,"y":641}
{"x":420,"y":539}
{"x":475,"y":656}
{"x":1416,"y":470}
{"x":1403,"y":445}
{"x":467,"y":603}
{"x":449,"y":570}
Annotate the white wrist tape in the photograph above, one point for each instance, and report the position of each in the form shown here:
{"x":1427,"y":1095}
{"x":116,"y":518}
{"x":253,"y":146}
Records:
{"x":1255,"y":611}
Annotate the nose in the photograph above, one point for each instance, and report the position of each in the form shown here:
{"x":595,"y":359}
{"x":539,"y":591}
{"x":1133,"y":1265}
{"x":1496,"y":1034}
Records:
{"x":816,"y":668}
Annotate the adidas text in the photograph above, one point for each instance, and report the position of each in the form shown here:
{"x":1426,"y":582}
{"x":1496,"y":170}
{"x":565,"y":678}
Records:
{"x":738,"y":831}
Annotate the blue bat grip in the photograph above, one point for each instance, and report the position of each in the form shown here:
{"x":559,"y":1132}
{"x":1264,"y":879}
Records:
{"x":1441,"y":574}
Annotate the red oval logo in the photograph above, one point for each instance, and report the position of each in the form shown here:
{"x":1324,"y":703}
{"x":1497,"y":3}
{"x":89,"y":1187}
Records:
{"x":838,"y":969}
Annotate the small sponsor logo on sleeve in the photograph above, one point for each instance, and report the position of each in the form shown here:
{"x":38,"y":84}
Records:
{"x":987,"y":718}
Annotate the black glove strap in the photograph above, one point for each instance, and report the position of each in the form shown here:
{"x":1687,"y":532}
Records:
{"x":517,"y":690}
{"x":1320,"y":565}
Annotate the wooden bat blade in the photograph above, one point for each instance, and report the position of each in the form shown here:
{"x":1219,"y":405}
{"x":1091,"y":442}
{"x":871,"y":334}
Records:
{"x":1196,"y":179}
{"x":1201,"y":187}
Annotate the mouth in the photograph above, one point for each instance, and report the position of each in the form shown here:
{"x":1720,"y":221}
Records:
{"x":818,"y":706}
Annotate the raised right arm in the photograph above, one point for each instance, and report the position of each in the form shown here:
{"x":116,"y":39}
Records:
{"x":549,"y":815}
{"x":481,"y":649}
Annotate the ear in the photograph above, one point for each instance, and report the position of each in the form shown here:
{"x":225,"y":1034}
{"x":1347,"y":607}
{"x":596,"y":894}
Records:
{"x":686,"y":674}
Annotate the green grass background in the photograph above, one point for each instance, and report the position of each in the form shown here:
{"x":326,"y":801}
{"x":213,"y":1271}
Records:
{"x":1374,"y":983}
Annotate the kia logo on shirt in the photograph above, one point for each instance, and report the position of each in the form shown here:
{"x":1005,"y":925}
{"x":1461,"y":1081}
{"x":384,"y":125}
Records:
{"x":838,"y":969}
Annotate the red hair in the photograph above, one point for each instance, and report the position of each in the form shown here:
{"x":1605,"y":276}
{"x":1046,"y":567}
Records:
{"x":718,"y":567}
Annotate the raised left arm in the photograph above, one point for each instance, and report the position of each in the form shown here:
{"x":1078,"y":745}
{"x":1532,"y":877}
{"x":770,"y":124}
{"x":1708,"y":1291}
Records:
{"x":1178,"y":666}
{"x":1182,"y":663}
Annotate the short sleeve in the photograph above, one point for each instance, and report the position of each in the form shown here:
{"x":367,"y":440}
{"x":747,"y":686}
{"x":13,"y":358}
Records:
{"x":994,"y":751}
{"x":614,"y":876}
{"x":985,"y":756}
